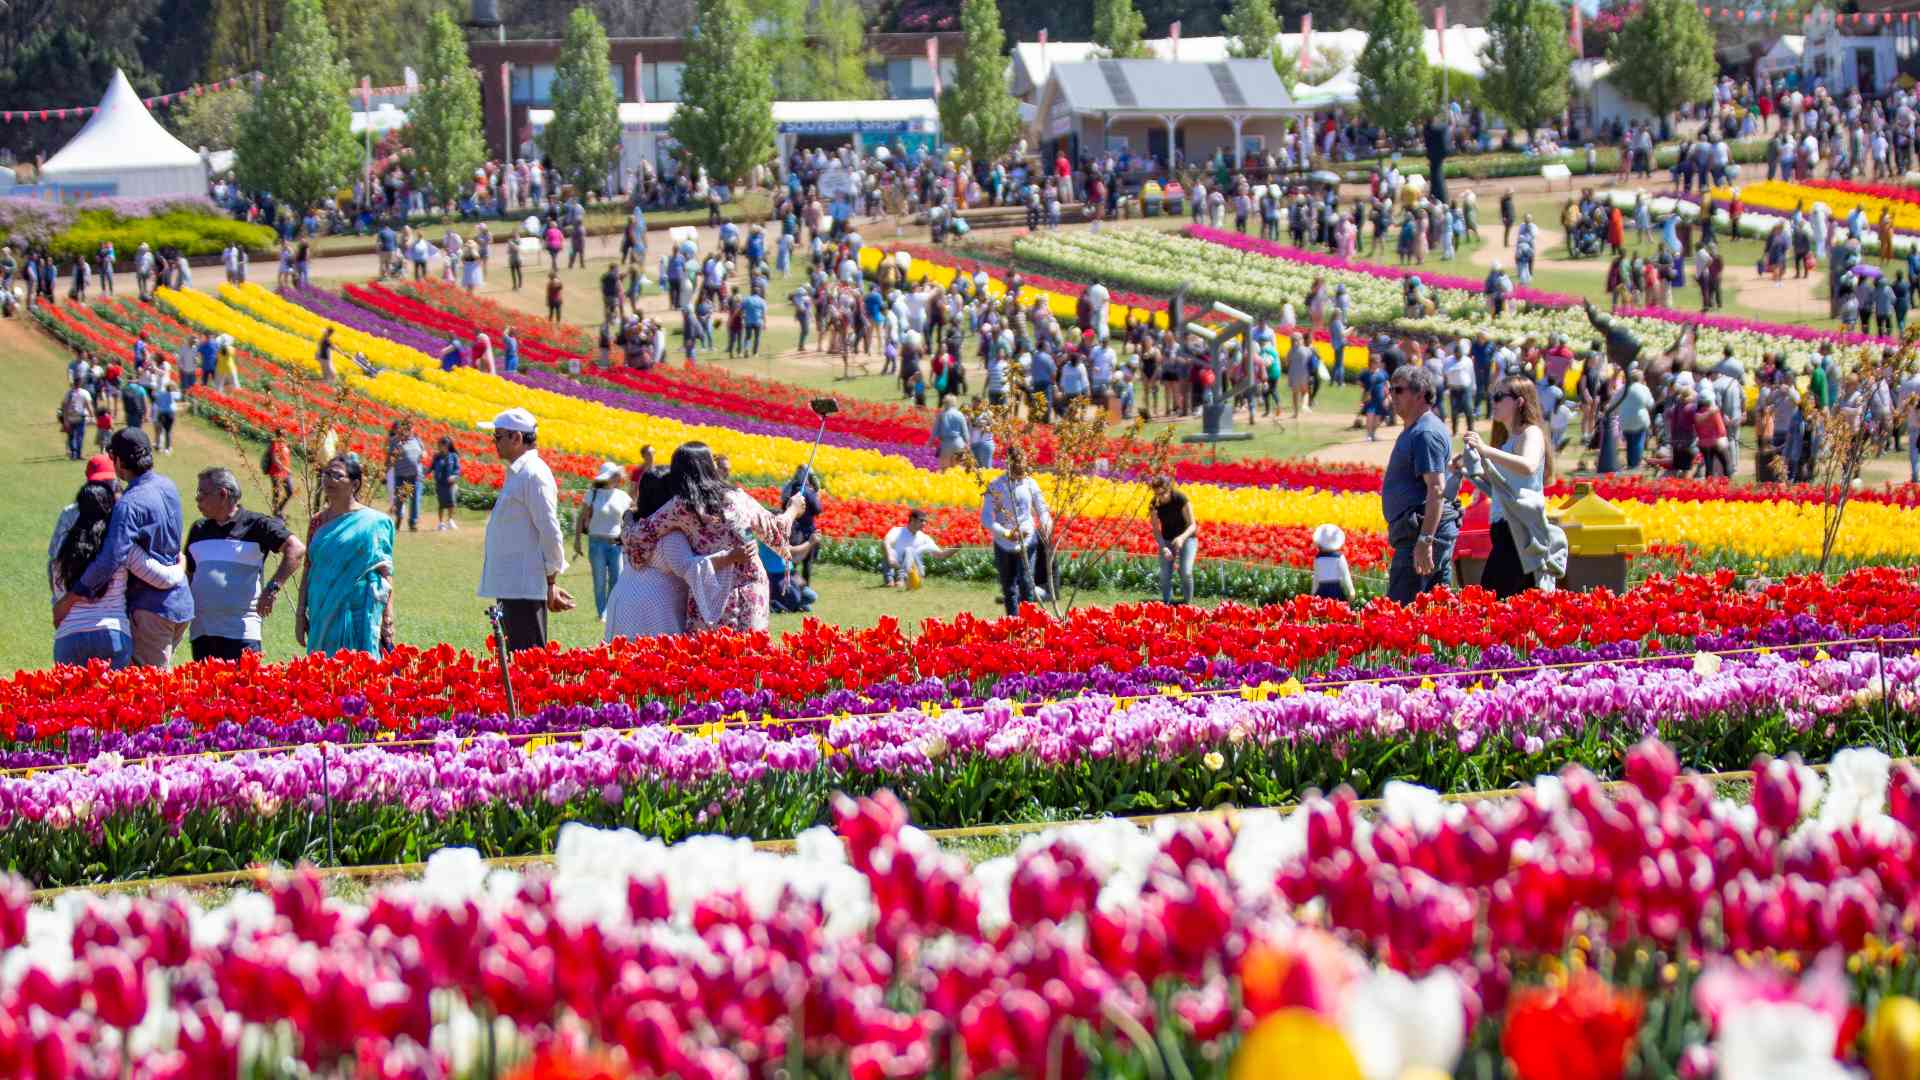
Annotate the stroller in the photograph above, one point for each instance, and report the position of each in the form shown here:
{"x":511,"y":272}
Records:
{"x":1589,"y":240}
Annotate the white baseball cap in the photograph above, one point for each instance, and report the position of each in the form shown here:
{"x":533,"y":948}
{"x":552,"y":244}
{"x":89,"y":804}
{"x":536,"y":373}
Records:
{"x":516,"y":419}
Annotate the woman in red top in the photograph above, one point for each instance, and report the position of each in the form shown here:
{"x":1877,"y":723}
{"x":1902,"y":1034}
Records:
{"x":1710,"y":431}
{"x":1616,"y":230}
{"x":279,"y":470}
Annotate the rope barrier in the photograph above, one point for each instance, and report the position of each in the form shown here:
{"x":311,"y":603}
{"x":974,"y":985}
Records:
{"x":1229,"y":815}
{"x":544,"y":739}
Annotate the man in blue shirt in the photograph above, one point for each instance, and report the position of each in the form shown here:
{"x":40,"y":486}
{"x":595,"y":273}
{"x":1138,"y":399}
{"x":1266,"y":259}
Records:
{"x":753,"y":317}
{"x":147,"y":515}
{"x":209,"y":359}
{"x":1421,"y":526}
{"x":1040,"y":373}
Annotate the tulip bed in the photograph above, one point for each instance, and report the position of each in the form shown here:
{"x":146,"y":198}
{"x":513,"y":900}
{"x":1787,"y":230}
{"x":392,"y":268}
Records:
{"x":1782,"y":197}
{"x":1265,"y":276}
{"x":216,"y":765}
{"x":1570,"y":931}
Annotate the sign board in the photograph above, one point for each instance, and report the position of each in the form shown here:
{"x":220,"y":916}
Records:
{"x":835,"y":181}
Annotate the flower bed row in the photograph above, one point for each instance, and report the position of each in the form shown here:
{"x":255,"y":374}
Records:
{"x":1782,"y":197}
{"x":1085,"y":755}
{"x":1265,"y":276}
{"x":872,"y":954}
{"x":704,"y":678}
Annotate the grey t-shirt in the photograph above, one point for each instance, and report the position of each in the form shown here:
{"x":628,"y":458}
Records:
{"x":1422,"y":448}
{"x":224,"y":566}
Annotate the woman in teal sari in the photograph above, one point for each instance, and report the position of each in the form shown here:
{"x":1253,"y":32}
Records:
{"x":346,"y":586}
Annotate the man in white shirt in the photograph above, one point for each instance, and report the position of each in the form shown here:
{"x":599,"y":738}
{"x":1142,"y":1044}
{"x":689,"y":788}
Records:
{"x":1015,"y":514}
{"x":908,"y":547}
{"x":1460,"y":383}
{"x":524,"y":553}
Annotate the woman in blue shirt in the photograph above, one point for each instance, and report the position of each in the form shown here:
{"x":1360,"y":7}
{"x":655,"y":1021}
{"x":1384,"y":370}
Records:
{"x":1373,"y":395}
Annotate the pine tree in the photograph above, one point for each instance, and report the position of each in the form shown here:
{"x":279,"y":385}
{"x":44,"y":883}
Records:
{"x":584,"y":137}
{"x":1663,"y":56}
{"x":839,"y":53}
{"x":1396,"y":87}
{"x":296,"y":140}
{"x":443,"y":121}
{"x":1117,"y":28}
{"x":1526,"y":59}
{"x":1252,"y":29}
{"x":977,"y":110}
{"x":725,"y":118}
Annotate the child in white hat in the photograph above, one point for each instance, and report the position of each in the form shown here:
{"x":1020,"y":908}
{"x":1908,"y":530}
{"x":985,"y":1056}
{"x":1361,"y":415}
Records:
{"x":1331,"y":578}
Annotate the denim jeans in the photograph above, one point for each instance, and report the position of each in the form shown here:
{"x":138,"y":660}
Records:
{"x":1913,"y":459}
{"x":410,"y":489}
{"x":76,"y":440}
{"x":1184,"y":555}
{"x":1016,"y":576}
{"x":1636,"y":444}
{"x":604,"y":557}
{"x":1403,"y":581}
{"x":113,"y":646}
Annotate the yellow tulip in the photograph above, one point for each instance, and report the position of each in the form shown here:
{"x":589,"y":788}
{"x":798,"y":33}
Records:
{"x":1893,"y":1039}
{"x":1294,"y":1044}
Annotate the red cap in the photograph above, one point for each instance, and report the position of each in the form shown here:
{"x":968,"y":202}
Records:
{"x":100,"y":470}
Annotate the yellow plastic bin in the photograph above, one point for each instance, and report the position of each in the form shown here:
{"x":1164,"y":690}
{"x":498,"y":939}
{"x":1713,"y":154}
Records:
{"x":1599,"y":539}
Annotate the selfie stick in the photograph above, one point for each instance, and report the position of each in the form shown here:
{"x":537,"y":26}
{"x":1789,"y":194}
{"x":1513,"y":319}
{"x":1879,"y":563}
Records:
{"x":824,"y":407}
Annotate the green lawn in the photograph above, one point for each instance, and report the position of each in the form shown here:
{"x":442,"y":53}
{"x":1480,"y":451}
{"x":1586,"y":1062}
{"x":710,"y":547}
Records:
{"x":437,"y":572}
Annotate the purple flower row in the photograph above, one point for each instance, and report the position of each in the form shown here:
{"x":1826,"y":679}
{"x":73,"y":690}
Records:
{"x":458,"y":775}
{"x":921,"y":456}
{"x":331,"y":307}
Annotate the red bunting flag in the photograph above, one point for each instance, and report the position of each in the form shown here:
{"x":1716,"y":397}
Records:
{"x":1575,"y":37}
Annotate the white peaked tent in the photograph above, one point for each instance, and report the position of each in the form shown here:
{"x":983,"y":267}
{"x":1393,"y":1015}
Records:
{"x":123,"y":150}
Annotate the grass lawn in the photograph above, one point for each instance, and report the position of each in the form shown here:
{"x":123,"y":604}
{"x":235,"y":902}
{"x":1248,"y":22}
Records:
{"x":437,"y":572}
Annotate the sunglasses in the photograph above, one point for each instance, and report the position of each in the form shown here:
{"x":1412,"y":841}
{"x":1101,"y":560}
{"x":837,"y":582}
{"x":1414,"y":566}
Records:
{"x":1503,"y":396}
{"x":1399,"y":389}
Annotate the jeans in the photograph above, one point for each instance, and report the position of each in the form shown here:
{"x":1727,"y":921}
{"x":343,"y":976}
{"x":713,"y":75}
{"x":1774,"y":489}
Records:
{"x":1016,"y":576}
{"x":1913,"y":459}
{"x":1636,"y":444}
{"x":76,"y":440}
{"x":113,"y":646}
{"x":750,"y":340}
{"x":408,"y":492}
{"x":604,"y":557}
{"x":1403,"y":583}
{"x":1184,"y":555}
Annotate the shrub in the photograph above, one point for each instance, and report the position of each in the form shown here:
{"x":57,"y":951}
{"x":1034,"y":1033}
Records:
{"x":192,"y":224}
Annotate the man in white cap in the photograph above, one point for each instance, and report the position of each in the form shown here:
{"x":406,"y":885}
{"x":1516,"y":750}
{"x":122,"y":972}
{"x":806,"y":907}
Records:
{"x":599,"y":522}
{"x":525,"y":550}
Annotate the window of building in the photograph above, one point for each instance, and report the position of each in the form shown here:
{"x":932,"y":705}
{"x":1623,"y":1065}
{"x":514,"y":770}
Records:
{"x":532,"y":84}
{"x":913,"y":78}
{"x":662,"y":81}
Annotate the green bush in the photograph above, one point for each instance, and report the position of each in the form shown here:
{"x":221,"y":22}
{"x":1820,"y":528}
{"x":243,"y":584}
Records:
{"x":193,"y":234}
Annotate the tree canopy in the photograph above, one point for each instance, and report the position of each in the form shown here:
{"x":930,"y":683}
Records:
{"x":1251,"y":28}
{"x":1527,"y":60}
{"x":444,"y":124}
{"x":1663,"y":55}
{"x":296,"y":140}
{"x":1118,"y":28}
{"x":725,"y":118}
{"x":977,"y":110}
{"x":583,"y":138}
{"x":1396,"y":87}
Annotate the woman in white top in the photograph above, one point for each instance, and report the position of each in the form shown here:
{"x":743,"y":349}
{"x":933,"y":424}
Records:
{"x":650,"y":599}
{"x":99,"y":628}
{"x":1523,"y":457}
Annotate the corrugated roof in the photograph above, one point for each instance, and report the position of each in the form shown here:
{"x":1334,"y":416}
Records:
{"x":1168,"y":86}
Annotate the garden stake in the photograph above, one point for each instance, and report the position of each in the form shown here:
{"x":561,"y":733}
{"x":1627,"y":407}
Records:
{"x":495,"y":615}
{"x":326,"y":785}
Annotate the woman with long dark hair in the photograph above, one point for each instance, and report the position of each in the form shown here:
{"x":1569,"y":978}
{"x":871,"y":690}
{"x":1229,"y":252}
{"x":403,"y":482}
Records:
{"x":715,"y":517}
{"x":98,"y":628}
{"x":1522,"y":452}
{"x":652,"y":598}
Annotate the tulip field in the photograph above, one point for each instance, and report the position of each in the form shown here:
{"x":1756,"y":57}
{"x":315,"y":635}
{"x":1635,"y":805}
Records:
{"x":1667,"y":834}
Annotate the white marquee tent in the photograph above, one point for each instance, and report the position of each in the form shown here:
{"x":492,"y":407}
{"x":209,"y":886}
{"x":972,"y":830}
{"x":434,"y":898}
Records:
{"x":123,"y":150}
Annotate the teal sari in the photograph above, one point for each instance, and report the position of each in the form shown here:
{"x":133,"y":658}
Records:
{"x":346,"y":592}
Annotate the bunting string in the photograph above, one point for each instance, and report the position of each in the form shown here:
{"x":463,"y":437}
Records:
{"x":16,"y":116}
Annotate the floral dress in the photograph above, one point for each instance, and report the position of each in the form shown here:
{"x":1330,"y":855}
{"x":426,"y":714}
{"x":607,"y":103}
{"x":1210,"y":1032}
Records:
{"x":747,"y":604}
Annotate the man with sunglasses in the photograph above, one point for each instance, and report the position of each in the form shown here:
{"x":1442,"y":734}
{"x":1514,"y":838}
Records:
{"x":1421,"y":525}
